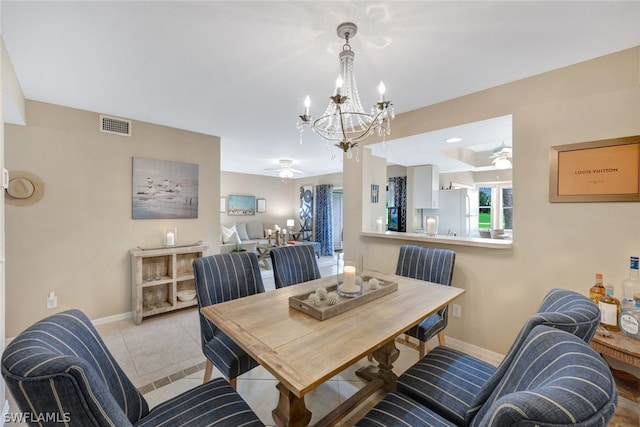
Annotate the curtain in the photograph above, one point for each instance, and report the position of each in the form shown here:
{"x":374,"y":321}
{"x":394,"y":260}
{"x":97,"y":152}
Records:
{"x":324,"y":218}
{"x":398,"y":198}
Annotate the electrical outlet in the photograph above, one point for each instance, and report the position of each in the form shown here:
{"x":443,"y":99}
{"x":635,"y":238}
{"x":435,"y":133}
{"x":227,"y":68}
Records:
{"x":52,"y":300}
{"x":457,"y":310}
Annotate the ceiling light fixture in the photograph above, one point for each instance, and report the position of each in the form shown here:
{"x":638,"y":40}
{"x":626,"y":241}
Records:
{"x":502,"y":157}
{"x":344,"y":122}
{"x":286,"y":171}
{"x":502,"y":163}
{"x":452,"y":140}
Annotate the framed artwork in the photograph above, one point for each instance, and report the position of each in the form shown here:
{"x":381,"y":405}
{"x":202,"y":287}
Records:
{"x":223,"y":204}
{"x":262,"y":205}
{"x":164,"y":189}
{"x":595,"y":171}
{"x":375,"y":189}
{"x":241,"y":205}
{"x":306,"y":211}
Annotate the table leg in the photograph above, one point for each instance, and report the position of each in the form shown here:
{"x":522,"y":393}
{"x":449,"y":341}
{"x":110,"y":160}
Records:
{"x":385,"y":356}
{"x":291,"y":410}
{"x":262,"y":258}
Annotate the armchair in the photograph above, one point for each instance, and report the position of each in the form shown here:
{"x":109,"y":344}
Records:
{"x":555,"y":379}
{"x":455,"y":384}
{"x":60,"y":368}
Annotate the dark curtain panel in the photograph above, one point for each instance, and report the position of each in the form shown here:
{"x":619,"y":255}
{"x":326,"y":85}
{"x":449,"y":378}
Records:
{"x":324,"y":218}
{"x":398,"y":198}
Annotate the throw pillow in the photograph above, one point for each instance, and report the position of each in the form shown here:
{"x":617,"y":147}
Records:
{"x":255,"y":230}
{"x":230,"y":235}
{"x":241,"y":228}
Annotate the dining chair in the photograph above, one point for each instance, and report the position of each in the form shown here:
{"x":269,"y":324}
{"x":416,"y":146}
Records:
{"x":60,"y":371}
{"x":220,"y":278}
{"x":294,"y":264}
{"x":555,"y":379}
{"x":455,"y":384}
{"x":431,"y":265}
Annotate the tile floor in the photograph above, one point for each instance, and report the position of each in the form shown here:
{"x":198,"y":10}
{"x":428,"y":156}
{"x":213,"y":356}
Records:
{"x":162,"y":357}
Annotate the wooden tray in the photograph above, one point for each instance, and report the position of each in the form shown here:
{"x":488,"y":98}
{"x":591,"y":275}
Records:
{"x":325,"y":311}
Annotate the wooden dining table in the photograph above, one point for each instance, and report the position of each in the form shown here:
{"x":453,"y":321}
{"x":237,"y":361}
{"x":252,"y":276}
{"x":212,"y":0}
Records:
{"x":302,"y":352}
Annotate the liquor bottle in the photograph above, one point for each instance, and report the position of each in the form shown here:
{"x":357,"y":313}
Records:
{"x":631,"y":285}
{"x":630,"y":320}
{"x":609,"y":309}
{"x":597,"y":290}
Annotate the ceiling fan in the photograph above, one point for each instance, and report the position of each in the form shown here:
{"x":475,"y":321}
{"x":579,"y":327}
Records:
{"x":502,"y":156}
{"x":285,"y":170}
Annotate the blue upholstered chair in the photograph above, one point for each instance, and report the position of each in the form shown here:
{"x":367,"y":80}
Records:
{"x":221,"y":278}
{"x":455,"y":384}
{"x":431,"y":265}
{"x":294,"y":264}
{"x":555,"y":379}
{"x":60,"y":368}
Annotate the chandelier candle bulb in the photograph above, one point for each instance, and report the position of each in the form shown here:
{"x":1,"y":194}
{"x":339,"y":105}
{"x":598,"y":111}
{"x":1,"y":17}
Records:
{"x":307,"y":104}
{"x":381,"y":90}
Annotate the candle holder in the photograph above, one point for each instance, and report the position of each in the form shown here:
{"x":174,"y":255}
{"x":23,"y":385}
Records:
{"x":170,"y":236}
{"x":431,"y":226}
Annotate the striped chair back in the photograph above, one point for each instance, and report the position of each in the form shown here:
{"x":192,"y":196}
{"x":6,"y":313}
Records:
{"x":294,"y":264}
{"x":561,"y":309}
{"x":224,"y":277}
{"x":61,"y":367}
{"x":555,"y":379}
{"x":429,"y":264}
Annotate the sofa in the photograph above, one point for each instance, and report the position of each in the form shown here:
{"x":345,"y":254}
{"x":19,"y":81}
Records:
{"x":245,"y":235}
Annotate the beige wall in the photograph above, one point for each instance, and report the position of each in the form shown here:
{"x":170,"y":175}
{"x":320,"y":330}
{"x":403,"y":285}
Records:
{"x":76,"y":240}
{"x":555,"y":245}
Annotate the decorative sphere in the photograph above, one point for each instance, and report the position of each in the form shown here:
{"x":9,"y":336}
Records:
{"x":314,"y":299}
{"x":322,"y":293}
{"x":332,"y":298}
{"x":373,"y":283}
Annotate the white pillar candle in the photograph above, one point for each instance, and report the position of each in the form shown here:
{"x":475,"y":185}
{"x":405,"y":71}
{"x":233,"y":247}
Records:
{"x":349,"y":280}
{"x":431,"y":226}
{"x":170,"y":238}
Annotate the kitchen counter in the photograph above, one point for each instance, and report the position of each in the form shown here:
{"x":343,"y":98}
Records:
{"x":442,"y":239}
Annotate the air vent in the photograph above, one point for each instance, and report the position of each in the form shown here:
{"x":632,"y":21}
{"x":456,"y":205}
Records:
{"x":115,"y":125}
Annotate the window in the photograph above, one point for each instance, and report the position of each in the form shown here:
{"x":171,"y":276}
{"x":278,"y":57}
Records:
{"x":337,"y":217}
{"x":495,"y":205}
{"x":484,"y":198}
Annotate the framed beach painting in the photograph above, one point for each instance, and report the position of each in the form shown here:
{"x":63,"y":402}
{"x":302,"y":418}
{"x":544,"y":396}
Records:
{"x":163,"y":189}
{"x":241,"y":205}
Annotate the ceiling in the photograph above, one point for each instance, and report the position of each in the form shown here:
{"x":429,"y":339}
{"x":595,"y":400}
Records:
{"x":241,"y":69}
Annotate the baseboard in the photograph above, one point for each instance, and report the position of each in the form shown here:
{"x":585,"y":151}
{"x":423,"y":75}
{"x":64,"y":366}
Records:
{"x":479,"y":352}
{"x":114,"y":318}
{"x":100,"y":321}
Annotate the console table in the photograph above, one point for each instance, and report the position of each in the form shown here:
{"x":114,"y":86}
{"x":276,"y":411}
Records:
{"x":159,"y":278}
{"x":625,"y":349}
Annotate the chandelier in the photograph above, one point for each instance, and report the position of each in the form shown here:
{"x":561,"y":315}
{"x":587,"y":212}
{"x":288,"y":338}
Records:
{"x":344,"y":122}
